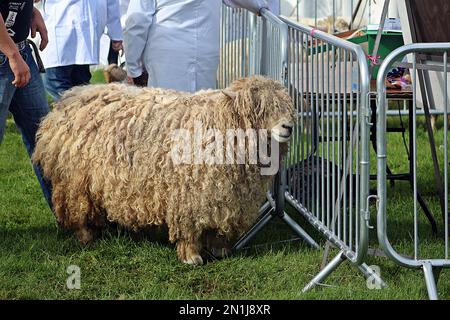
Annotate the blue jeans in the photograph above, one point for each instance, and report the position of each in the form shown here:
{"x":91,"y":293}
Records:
{"x":28,"y":106}
{"x":60,"y":79}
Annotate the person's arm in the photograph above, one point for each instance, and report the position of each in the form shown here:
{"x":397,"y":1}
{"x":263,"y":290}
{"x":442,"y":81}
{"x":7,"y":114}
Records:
{"x":38,"y":25}
{"x":253,"y":5}
{"x":113,"y":24}
{"x":18,"y":66}
{"x":139,"y":20}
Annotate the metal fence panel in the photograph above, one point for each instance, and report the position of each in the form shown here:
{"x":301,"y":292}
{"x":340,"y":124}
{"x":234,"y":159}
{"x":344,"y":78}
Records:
{"x":326,"y":175}
{"x":252,"y":45}
{"x":328,"y":164}
{"x":419,"y":54}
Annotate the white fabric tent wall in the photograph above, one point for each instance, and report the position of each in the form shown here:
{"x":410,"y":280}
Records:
{"x":307,"y":8}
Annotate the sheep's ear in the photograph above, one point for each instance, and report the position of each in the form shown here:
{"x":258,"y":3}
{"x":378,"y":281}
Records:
{"x":229,"y":93}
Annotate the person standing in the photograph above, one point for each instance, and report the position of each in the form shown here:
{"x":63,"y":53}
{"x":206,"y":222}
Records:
{"x":75,"y":28}
{"x":113,"y":55}
{"x":21,"y":89}
{"x":177,"y":41}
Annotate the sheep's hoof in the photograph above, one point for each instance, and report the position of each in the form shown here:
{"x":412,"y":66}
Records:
{"x":188,"y":253}
{"x":194,"y":260}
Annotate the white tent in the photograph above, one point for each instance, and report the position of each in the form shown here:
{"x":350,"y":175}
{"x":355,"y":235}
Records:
{"x":370,"y":9}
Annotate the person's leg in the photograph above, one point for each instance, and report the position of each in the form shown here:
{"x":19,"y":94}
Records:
{"x":7,"y":90}
{"x":113,"y":55}
{"x":58,"y":80}
{"x":29,"y":106}
{"x":81,"y":74}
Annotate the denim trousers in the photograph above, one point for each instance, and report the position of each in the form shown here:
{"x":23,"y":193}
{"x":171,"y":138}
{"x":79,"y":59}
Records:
{"x":57,"y":80}
{"x":28,"y":105}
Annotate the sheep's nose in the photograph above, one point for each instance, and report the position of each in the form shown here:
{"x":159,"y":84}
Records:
{"x":288,"y":127}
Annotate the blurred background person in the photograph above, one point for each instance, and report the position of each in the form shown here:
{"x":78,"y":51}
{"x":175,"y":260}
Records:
{"x":177,"y":42}
{"x":75,"y":28}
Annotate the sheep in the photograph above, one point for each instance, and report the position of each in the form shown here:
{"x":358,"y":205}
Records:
{"x":108,"y":152}
{"x":114,"y":73}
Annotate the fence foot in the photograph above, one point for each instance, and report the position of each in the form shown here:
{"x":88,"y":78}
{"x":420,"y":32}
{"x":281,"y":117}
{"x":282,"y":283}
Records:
{"x":430,"y":281}
{"x":265,"y":217}
{"x":299,"y":231}
{"x":322,"y":275}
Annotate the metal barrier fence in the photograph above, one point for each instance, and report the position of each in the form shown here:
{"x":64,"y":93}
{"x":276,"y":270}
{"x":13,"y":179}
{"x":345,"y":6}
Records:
{"x":424,"y":57}
{"x":328,"y":164}
{"x":253,"y":45}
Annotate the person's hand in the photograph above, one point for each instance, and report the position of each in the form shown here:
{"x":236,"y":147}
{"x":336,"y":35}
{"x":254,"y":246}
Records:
{"x":116,"y":45}
{"x":20,"y":70}
{"x":130,"y":80}
{"x":38,"y":25}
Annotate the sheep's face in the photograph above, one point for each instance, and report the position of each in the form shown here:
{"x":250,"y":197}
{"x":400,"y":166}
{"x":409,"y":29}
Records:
{"x":261,"y":103}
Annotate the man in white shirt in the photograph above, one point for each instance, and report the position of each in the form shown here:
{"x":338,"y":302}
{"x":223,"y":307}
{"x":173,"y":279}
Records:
{"x":74,"y":29}
{"x":178,"y":42}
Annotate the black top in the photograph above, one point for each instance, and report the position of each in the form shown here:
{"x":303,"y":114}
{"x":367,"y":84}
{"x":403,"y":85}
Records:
{"x":17,"y":16}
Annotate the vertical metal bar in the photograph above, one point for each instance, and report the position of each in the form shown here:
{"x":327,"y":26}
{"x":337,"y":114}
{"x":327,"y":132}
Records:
{"x":316,"y":131}
{"x":334,"y":16}
{"x":333,"y":107}
{"x":322,"y":144}
{"x":328,"y":136}
{"x":295,"y":90}
{"x":414,"y":157}
{"x":308,"y":103}
{"x":359,"y":154}
{"x":315,"y":13}
{"x":314,"y":123}
{"x":339,"y":143}
{"x":351,"y":15}
{"x":445,"y":95}
{"x":303,"y":107}
{"x":223,"y":52}
{"x":351,"y":191}
{"x":344,"y":149}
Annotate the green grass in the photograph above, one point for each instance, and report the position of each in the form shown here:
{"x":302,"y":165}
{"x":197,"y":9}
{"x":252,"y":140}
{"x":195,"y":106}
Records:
{"x":35,"y":254}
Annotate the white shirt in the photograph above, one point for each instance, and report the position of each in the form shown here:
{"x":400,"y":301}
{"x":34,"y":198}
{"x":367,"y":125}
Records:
{"x":177,"y":40}
{"x":75,"y":27}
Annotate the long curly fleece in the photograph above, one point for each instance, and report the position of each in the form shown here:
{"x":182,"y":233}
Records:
{"x":107,"y":151}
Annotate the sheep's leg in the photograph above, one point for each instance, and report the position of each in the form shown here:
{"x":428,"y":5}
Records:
{"x":189,"y":252}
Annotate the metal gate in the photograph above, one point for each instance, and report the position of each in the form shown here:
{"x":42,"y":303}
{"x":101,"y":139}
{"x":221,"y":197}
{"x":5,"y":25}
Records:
{"x":423,"y":59}
{"x":326,"y":173}
{"x":252,"y":45}
{"x":328,"y":164}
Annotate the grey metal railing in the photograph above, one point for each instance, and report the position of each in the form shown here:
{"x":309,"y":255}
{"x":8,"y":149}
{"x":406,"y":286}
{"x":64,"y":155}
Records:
{"x":419,"y":55}
{"x":253,"y":45}
{"x":326,"y":173}
{"x":328,"y":164}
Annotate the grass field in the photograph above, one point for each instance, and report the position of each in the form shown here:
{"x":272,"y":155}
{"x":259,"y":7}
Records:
{"x":35,"y":254}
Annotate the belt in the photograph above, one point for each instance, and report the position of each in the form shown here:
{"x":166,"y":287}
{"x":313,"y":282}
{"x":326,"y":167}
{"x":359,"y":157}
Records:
{"x":36,"y":55}
{"x":21,"y":45}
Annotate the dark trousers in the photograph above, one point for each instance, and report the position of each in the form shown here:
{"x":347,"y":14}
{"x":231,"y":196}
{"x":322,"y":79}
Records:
{"x":57,"y":80}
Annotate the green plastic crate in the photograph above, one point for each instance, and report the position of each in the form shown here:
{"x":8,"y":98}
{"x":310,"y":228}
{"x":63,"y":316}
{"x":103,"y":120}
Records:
{"x":390,"y":40}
